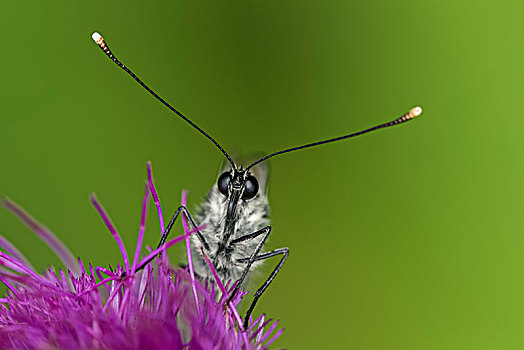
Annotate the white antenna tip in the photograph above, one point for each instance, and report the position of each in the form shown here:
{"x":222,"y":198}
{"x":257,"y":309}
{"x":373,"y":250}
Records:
{"x":97,"y":37}
{"x":415,"y":112}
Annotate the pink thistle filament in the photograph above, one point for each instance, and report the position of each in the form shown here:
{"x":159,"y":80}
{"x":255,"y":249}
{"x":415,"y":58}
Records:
{"x":157,"y":307}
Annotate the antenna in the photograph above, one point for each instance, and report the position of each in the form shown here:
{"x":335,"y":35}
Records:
{"x":413,"y":113}
{"x":97,"y":38}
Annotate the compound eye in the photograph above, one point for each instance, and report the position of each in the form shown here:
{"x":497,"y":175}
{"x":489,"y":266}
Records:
{"x":223,"y":182}
{"x":251,"y":188}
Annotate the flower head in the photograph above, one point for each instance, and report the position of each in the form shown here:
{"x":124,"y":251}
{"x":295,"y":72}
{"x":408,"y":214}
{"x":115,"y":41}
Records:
{"x":157,"y":307}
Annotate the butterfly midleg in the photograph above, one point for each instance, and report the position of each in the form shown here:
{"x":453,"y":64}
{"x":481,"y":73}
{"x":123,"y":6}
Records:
{"x":285,"y":252}
{"x":265,"y":231}
{"x":256,"y":257}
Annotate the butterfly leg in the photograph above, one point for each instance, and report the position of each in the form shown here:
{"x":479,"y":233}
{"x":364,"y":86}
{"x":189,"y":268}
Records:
{"x":265,"y":231}
{"x":256,"y":257}
{"x":185,"y":211}
{"x":163,"y":239}
{"x":276,"y":270}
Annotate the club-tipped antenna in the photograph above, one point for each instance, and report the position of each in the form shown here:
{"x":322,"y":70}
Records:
{"x":99,"y":40}
{"x":413,"y":113}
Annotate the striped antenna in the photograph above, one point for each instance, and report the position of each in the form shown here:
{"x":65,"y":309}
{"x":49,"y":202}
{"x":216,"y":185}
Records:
{"x":413,"y":113}
{"x":99,"y":40}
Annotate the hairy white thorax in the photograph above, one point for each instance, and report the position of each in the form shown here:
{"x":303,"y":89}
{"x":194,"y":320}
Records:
{"x":251,"y":216}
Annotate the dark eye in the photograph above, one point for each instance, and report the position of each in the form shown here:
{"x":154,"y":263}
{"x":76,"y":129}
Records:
{"x":251,"y":188}
{"x":223,"y":182}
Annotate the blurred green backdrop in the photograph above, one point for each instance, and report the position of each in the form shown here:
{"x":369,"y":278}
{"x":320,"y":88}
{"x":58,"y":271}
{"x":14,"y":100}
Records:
{"x":409,"y":238}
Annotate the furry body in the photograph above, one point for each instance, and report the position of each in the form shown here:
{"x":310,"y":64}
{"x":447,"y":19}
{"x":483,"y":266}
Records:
{"x":250,"y":216}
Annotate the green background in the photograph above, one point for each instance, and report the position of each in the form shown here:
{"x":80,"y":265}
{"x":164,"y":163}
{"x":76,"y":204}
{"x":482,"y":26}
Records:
{"x":408,"y":238}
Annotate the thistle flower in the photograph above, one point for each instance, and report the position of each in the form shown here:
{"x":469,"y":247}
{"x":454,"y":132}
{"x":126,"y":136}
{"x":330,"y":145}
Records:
{"x":157,"y":307}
